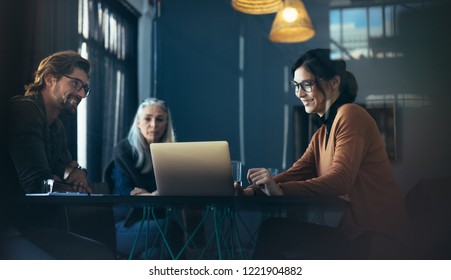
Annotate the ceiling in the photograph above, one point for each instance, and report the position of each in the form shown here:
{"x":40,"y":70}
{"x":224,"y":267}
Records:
{"x":140,"y":5}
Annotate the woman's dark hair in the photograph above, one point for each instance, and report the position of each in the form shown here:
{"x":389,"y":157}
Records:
{"x":318,"y":62}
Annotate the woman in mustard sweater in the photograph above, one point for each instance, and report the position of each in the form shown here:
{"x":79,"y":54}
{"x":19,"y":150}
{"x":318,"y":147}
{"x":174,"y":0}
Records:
{"x":346,"y":158}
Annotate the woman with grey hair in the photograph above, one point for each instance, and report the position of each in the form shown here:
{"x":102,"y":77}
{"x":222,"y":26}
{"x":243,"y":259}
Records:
{"x":132,"y":174}
{"x":152,"y":124}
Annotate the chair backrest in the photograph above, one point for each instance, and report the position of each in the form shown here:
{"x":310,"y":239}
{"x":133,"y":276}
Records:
{"x":100,"y":188}
{"x":107,"y":176}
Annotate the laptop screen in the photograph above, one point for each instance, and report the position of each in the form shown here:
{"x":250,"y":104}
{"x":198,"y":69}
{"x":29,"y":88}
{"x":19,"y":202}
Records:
{"x":193,"y":168}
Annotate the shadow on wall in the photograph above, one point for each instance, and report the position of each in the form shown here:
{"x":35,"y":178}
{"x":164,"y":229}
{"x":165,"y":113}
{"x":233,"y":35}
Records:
{"x":426,"y":41}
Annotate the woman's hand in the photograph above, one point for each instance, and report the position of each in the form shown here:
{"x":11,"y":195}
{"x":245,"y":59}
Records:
{"x":139,"y":191}
{"x":239,"y":190}
{"x":262,"y":179}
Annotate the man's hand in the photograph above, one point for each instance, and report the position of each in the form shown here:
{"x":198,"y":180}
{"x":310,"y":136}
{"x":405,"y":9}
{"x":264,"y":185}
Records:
{"x":77,"y":177}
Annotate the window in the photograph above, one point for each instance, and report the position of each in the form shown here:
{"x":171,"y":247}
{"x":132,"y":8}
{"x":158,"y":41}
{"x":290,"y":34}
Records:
{"x":367,"y":32}
{"x":108,"y":39}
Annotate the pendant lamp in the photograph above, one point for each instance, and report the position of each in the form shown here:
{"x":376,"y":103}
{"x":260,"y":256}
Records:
{"x":292,"y":24}
{"x":257,"y":7}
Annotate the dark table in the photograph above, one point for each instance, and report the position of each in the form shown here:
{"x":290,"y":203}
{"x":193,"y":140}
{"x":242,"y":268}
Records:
{"x":223,"y":211}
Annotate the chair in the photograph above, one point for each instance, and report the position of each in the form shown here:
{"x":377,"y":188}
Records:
{"x":107,"y":176}
{"x":95,"y":222}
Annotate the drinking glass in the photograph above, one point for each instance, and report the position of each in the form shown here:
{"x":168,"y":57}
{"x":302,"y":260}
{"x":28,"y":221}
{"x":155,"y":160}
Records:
{"x":273,"y":171}
{"x":236,"y":171}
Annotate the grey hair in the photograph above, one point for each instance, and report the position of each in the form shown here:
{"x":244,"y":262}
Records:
{"x":137,"y":141}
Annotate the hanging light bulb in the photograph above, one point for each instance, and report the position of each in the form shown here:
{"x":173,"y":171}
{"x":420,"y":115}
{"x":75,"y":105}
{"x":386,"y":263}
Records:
{"x":292,"y":24}
{"x":257,"y":7}
{"x":290,"y":14}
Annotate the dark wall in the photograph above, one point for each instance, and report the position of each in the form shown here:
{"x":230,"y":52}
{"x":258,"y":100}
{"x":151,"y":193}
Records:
{"x":426,"y":131}
{"x":9,"y":61}
{"x":200,"y":73}
{"x":31,"y":30}
{"x":15,"y":20}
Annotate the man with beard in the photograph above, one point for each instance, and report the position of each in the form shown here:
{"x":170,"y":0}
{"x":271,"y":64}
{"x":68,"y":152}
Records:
{"x":38,"y":150}
{"x":37,"y":139}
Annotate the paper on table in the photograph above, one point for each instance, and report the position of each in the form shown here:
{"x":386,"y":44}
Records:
{"x":58,"y":194}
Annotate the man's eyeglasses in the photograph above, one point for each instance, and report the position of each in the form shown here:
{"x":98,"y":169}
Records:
{"x":306,"y":85}
{"x":78,"y":85}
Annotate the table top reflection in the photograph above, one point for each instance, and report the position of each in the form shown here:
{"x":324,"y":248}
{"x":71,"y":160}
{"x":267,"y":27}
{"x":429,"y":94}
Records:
{"x":230,"y":201}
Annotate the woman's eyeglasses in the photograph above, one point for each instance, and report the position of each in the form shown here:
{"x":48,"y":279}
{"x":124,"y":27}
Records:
{"x":306,"y":85}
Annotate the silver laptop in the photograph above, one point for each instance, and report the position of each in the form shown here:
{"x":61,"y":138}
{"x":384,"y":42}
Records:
{"x":193,"y":168}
